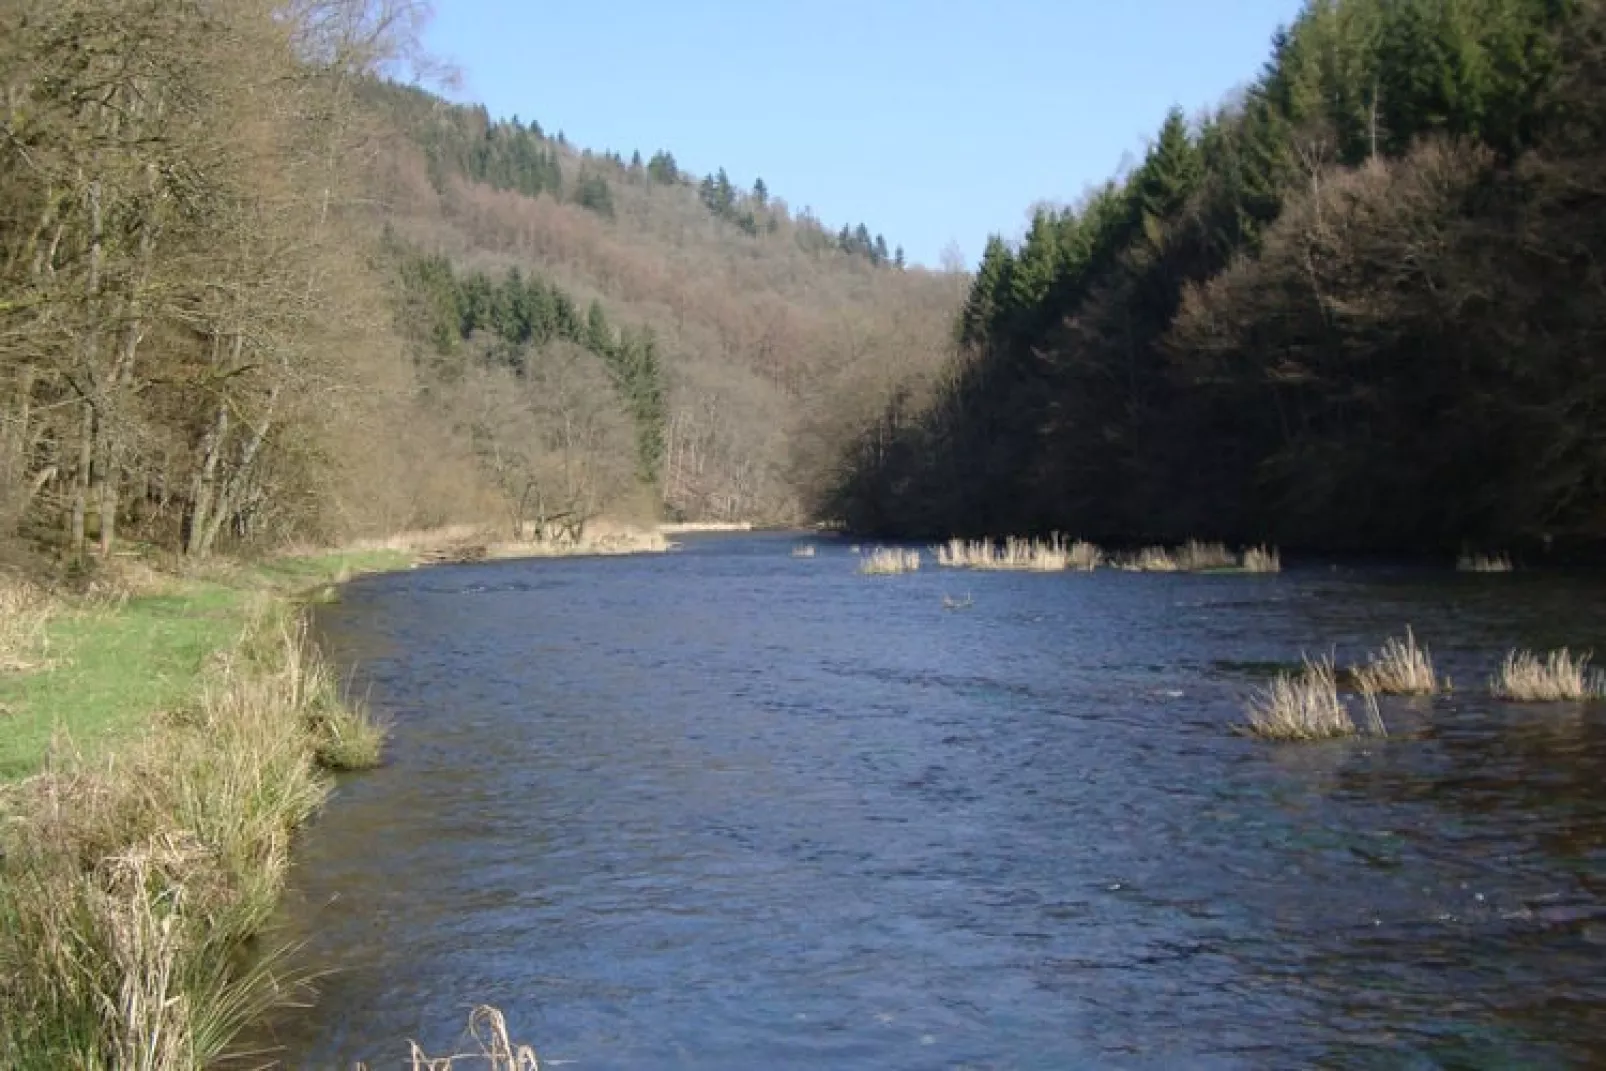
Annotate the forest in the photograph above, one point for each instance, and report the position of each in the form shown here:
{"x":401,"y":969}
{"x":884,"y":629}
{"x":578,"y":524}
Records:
{"x":1357,"y":307}
{"x":258,"y":286}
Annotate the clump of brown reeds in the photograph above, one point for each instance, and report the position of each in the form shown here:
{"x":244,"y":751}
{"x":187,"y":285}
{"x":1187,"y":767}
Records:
{"x":1052,"y":555}
{"x":1262,"y":560}
{"x":889,"y":561}
{"x":1147,"y":560}
{"x":487,"y":1030}
{"x":804,"y":551}
{"x":1484,"y":563}
{"x":131,"y":884}
{"x":1196,"y":557}
{"x":1304,"y":706}
{"x":1558,"y":677}
{"x":1400,"y":668}
{"x":25,"y":613}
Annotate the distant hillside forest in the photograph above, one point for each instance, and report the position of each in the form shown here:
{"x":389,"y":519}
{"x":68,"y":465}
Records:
{"x":1360,"y":306}
{"x":252,"y":292}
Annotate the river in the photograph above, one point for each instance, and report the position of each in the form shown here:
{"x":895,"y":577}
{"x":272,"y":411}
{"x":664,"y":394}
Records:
{"x":731,"y":809}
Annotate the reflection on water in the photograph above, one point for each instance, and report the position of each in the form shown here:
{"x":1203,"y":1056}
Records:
{"x":732,"y":809}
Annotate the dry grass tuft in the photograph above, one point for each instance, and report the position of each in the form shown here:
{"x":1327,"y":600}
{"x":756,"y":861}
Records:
{"x":1196,"y":557}
{"x":25,"y":611}
{"x":889,"y":561}
{"x":1147,"y":560}
{"x":1400,"y":668}
{"x":805,"y":551}
{"x":1262,"y":560}
{"x":1052,"y":555}
{"x":1560,"y":677}
{"x":1484,"y":563}
{"x":497,"y":1051}
{"x":1303,"y":706}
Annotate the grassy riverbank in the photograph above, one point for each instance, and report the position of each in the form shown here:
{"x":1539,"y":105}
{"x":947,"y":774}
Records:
{"x":161,"y":746}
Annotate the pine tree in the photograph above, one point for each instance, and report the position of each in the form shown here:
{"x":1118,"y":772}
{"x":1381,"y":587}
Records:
{"x":761,"y":193}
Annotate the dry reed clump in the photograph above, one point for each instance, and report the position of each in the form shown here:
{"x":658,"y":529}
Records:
{"x":805,"y":551}
{"x":1557,"y":678}
{"x":130,"y":887}
{"x":1052,"y":555}
{"x":889,"y":561}
{"x":1304,"y":706}
{"x":1484,"y":563}
{"x":487,"y":1029}
{"x":1262,"y":560}
{"x":1147,"y":560}
{"x":1400,"y":668}
{"x":1196,"y":557}
{"x":25,"y":613}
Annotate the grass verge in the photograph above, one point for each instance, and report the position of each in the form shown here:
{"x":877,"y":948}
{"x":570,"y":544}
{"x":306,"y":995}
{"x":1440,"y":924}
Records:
{"x":134,"y":872}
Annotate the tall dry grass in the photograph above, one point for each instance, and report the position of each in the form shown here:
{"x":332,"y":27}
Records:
{"x":1559,"y":677}
{"x":1052,"y":555}
{"x":496,"y":1050}
{"x":1147,"y":560}
{"x":25,"y":613}
{"x":889,"y":561}
{"x":1400,"y":668}
{"x":130,"y":886}
{"x":1303,"y":706}
{"x":1484,"y":563}
{"x":1196,"y":557}
{"x":1262,"y":560}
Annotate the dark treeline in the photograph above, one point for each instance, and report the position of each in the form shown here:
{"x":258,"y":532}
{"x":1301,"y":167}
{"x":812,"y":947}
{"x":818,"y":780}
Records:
{"x":1359,"y":308}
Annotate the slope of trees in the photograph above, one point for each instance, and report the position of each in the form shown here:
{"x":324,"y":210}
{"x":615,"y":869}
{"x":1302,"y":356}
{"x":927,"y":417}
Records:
{"x":250,"y":291}
{"x":1357,"y":308}
{"x":192,"y":347}
{"x":772,"y":337}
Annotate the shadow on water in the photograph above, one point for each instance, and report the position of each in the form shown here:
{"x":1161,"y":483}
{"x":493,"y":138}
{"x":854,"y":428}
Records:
{"x":732,"y":809}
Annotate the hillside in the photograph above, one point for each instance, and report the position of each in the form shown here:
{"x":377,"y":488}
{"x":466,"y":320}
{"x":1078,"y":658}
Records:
{"x":769,"y":333}
{"x":1357,"y":308}
{"x":251,"y":293}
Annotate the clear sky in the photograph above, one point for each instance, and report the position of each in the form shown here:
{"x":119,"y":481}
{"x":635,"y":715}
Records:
{"x":932,"y":121}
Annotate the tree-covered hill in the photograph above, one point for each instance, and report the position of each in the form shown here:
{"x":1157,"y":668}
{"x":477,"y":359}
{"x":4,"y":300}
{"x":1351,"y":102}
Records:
{"x":1359,"y":307}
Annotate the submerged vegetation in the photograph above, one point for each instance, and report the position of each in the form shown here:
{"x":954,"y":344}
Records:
{"x":1052,"y":555}
{"x":1558,"y":677}
{"x":495,"y":1049}
{"x":1484,"y":563}
{"x":1400,"y":668}
{"x":1301,"y":706}
{"x":889,"y":561}
{"x":1262,"y":560}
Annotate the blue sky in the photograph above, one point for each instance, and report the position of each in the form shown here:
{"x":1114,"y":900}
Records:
{"x":931,"y":122}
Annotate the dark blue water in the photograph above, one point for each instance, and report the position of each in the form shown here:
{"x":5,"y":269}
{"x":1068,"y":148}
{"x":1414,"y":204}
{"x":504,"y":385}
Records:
{"x":728,"y":809}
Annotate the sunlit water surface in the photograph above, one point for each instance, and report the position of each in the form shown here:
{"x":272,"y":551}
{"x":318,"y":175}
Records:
{"x":727,"y":808}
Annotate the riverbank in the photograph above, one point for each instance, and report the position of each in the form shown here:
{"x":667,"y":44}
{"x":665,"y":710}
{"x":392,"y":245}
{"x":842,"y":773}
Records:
{"x":164,"y":737}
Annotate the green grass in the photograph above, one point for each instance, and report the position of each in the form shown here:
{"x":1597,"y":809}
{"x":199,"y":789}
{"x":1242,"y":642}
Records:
{"x":140,"y":864}
{"x":115,"y":666}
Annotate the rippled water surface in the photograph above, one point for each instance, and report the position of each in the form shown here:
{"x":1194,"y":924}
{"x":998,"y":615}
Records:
{"x":730,"y":809}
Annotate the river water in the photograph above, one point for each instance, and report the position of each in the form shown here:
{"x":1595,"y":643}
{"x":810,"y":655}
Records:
{"x":730,"y":809}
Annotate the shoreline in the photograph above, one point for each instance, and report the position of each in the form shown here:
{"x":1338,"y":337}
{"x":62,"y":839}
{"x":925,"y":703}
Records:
{"x":168,"y":738}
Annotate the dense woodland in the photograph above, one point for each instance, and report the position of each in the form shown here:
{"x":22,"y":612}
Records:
{"x":1359,"y":306}
{"x":254,"y":290}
